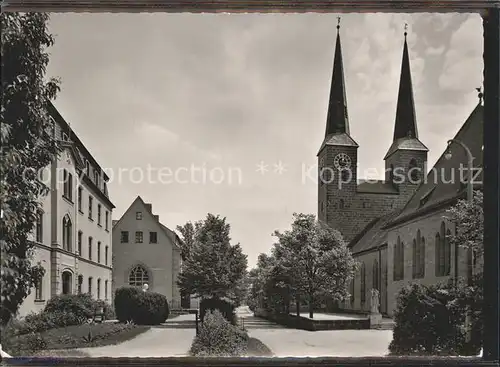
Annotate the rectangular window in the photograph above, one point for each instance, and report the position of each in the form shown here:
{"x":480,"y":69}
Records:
{"x":106,"y":215}
{"x":90,"y":286}
{"x":106,"y":255}
{"x":80,"y":199}
{"x":106,"y":289}
{"x":91,"y":204}
{"x":153,"y":237}
{"x":68,"y":185}
{"x":138,"y":237}
{"x":105,"y":189}
{"x":124,"y":237}
{"x":99,"y":214}
{"x":87,"y":163}
{"x":90,"y":248}
{"x":99,"y":252}
{"x":39,"y":228}
{"x":80,"y":238}
{"x":98,"y":288}
{"x":138,"y":215}
{"x":39,"y":290}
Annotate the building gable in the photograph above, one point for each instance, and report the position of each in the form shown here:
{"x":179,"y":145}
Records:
{"x":147,"y":210}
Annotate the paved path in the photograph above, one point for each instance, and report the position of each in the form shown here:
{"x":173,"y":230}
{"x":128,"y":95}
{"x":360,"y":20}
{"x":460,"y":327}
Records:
{"x":174,"y":338}
{"x":335,"y":343}
{"x":167,"y":340}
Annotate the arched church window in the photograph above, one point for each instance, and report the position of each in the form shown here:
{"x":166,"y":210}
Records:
{"x":363,"y":283}
{"x":414,"y":171}
{"x":447,"y":253}
{"x":138,"y":276}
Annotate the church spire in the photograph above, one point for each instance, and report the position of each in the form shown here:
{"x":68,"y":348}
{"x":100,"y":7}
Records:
{"x":406,"y":124}
{"x":337,"y":121}
{"x":405,"y":127}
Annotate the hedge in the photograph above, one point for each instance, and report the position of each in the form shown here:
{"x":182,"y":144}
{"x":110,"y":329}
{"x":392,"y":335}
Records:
{"x":218,"y":338}
{"x":226,"y":308}
{"x":143,"y":308}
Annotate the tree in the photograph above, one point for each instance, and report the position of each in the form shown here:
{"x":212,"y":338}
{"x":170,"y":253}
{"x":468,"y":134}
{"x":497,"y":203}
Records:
{"x":27,"y":147}
{"x":317,"y":259}
{"x":468,"y":218}
{"x":188,"y":232}
{"x":214,"y":267}
{"x":258,"y":278}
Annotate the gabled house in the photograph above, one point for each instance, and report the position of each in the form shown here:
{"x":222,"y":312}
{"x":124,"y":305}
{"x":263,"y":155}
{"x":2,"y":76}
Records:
{"x":146,"y":252}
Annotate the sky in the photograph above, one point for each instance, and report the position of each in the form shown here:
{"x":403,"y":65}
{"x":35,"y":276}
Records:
{"x":225,"y":113}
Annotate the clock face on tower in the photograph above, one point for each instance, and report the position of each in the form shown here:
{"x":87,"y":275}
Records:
{"x":342,"y":161}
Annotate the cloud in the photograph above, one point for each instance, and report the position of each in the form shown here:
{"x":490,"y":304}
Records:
{"x":232,"y":90}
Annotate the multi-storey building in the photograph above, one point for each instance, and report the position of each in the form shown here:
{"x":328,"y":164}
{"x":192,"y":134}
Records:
{"x":73,"y":232}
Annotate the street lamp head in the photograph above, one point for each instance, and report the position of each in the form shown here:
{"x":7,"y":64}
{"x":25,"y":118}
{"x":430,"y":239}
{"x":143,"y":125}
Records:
{"x":448,"y":155}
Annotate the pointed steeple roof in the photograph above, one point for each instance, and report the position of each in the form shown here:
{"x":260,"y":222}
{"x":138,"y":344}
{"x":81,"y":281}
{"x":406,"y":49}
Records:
{"x":337,"y":120}
{"x":405,"y":126}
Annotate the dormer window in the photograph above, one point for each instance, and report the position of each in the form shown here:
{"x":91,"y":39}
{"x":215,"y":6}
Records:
{"x":138,"y":215}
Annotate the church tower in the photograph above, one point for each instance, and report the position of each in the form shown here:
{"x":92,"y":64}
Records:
{"x":337,"y":156}
{"x":406,"y":159}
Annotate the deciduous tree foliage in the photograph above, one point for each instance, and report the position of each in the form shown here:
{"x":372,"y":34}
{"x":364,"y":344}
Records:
{"x":214,"y":268}
{"x":468,"y":218}
{"x":27,"y":146}
{"x":187,"y":232}
{"x":316,"y":258}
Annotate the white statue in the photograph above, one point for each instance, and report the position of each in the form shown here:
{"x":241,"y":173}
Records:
{"x":374,"y":301}
{"x":145,"y":287}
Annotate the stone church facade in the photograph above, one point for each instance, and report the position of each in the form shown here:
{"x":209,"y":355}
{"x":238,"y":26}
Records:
{"x":394,"y":227}
{"x":72,"y":236}
{"x":146,"y":252}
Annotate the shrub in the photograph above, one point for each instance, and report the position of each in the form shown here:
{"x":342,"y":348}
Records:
{"x":151,"y":309}
{"x":218,"y":338}
{"x":225,"y":307}
{"x":143,"y":308}
{"x":430,"y":320}
{"x":109,"y":312}
{"x":80,"y":305}
{"x":124,"y":302}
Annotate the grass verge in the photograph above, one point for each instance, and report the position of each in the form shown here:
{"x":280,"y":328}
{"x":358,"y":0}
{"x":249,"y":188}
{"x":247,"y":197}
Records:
{"x":256,"y":348}
{"x":71,"y":337}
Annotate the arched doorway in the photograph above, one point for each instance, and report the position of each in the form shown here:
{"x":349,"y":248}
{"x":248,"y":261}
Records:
{"x":67,"y":281}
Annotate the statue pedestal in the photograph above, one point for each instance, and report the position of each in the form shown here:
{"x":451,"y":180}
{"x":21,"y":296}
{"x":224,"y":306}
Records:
{"x":375,"y":320}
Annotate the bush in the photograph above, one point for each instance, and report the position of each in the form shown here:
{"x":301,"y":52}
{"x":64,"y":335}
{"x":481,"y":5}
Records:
{"x":430,"y":320}
{"x":151,"y":309}
{"x":218,"y":338}
{"x":80,"y":305}
{"x":143,"y":308}
{"x":125,"y":301}
{"x":109,"y":312}
{"x":226,"y":308}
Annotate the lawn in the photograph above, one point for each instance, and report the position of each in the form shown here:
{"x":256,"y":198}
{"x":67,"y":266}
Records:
{"x":256,"y":348}
{"x":71,"y":337}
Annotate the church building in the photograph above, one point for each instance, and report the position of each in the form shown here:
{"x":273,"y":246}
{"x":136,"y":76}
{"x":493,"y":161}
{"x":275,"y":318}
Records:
{"x":395,"y":227}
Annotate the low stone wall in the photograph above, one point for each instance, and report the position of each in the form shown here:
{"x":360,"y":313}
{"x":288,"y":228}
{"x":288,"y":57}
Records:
{"x":304,"y":323}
